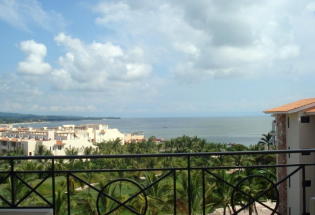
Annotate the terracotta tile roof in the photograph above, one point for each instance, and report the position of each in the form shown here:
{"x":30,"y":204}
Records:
{"x":59,"y":142}
{"x":294,"y":106}
{"x":311,"y":110}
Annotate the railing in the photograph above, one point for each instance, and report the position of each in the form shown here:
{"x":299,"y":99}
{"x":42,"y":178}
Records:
{"x":166,"y":183}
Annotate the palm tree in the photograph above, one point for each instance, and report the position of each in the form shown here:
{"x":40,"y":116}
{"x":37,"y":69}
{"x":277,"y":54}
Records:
{"x":72,"y":151}
{"x":88,"y":150}
{"x":159,"y":195}
{"x":266,"y":140}
{"x":87,"y":202}
{"x":195,"y":192}
{"x":61,"y":198}
{"x":222,"y":191}
{"x":40,"y":149}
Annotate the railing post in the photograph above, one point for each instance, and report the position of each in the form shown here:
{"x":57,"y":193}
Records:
{"x":174,"y":191}
{"x":12,"y":178}
{"x":303,"y":190}
{"x":203,"y":192}
{"x":53,"y":185}
{"x":68,"y":193}
{"x":189,"y":184}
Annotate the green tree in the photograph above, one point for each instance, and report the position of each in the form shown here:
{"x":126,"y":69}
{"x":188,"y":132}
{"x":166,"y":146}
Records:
{"x":266,"y":140}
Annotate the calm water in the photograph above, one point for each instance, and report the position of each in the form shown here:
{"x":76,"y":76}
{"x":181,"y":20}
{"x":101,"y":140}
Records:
{"x":243,"y":130}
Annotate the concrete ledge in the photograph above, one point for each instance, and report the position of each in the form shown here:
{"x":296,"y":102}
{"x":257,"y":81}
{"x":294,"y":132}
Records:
{"x":22,"y":211}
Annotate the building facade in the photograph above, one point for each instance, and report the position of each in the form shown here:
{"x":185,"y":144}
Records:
{"x":295,"y":129}
{"x":57,"y":140}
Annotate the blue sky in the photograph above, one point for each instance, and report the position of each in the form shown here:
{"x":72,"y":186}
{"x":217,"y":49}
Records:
{"x":138,"y":58}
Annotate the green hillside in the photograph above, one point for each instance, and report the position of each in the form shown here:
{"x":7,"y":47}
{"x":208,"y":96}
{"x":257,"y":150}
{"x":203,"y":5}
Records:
{"x":17,"y":117}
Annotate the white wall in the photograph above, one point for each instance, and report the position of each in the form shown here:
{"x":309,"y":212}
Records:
{"x":71,"y":137}
{"x":307,"y":140}
{"x":110,"y":134}
{"x":29,"y":146}
{"x":300,"y":136}
{"x":293,"y":140}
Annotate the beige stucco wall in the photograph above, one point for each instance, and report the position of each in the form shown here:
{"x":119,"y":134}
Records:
{"x":110,"y":135}
{"x":293,"y":140}
{"x":300,"y":136}
{"x":29,"y":147}
{"x":71,"y":137}
{"x":307,"y":140}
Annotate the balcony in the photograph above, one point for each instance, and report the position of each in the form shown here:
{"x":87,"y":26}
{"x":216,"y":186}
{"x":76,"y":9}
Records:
{"x":166,"y":183}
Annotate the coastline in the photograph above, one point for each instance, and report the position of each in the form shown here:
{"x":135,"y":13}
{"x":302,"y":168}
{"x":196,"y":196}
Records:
{"x":241,"y":130}
{"x":26,"y":123}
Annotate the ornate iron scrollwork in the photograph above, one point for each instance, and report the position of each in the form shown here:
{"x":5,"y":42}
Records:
{"x":139,"y":193}
{"x":242,"y":194}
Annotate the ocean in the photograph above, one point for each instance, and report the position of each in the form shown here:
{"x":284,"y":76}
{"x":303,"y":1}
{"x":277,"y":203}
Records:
{"x":242,"y":130}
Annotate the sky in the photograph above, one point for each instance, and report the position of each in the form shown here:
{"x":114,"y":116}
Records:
{"x":157,"y":58}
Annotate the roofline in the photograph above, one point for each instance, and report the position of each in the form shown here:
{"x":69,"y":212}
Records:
{"x":302,"y":108}
{"x":275,"y":112}
{"x":298,"y":109}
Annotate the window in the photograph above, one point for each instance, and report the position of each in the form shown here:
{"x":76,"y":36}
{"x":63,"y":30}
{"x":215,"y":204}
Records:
{"x":288,"y":122}
{"x":30,"y":153}
{"x":305,"y":119}
{"x":289,"y":183}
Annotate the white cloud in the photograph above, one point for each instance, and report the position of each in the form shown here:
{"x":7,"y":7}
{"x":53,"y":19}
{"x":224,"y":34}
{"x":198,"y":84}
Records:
{"x":146,"y":46}
{"x":115,"y":12}
{"x":92,"y":66}
{"x":289,"y":51}
{"x":64,"y":108}
{"x":23,"y":13}
{"x":188,"y":48}
{"x":311,"y":6}
{"x":34,"y":63}
{"x":212,"y":38}
{"x":137,"y":71}
{"x":98,"y":66}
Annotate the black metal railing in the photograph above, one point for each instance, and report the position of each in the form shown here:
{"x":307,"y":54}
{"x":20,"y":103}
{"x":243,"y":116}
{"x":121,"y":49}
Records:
{"x":166,"y":183}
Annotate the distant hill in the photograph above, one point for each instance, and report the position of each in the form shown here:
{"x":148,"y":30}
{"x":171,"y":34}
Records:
{"x":18,"y":117}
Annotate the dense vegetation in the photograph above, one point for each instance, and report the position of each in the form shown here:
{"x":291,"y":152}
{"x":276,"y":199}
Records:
{"x":160,"y":195}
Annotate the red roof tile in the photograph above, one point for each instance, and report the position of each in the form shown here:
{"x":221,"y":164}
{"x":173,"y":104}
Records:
{"x":294,"y":106}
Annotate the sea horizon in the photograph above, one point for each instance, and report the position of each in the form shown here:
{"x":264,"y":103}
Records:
{"x":246,"y":130}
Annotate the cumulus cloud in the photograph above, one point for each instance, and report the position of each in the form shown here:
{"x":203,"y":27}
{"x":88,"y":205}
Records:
{"x":93,"y":66}
{"x":97,"y":66}
{"x":34,"y":63}
{"x":206,"y":38}
{"x":143,"y":43}
{"x":188,"y":48}
{"x":23,"y":13}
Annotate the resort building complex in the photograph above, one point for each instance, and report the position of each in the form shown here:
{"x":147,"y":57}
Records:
{"x":295,"y":129}
{"x":57,"y":140}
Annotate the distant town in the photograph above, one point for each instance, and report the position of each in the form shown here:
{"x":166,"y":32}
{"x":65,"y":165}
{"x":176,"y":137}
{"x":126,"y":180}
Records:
{"x":57,"y":140}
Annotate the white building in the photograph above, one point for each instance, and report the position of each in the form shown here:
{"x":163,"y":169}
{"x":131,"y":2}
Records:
{"x":295,"y":129}
{"x":58,"y":139}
